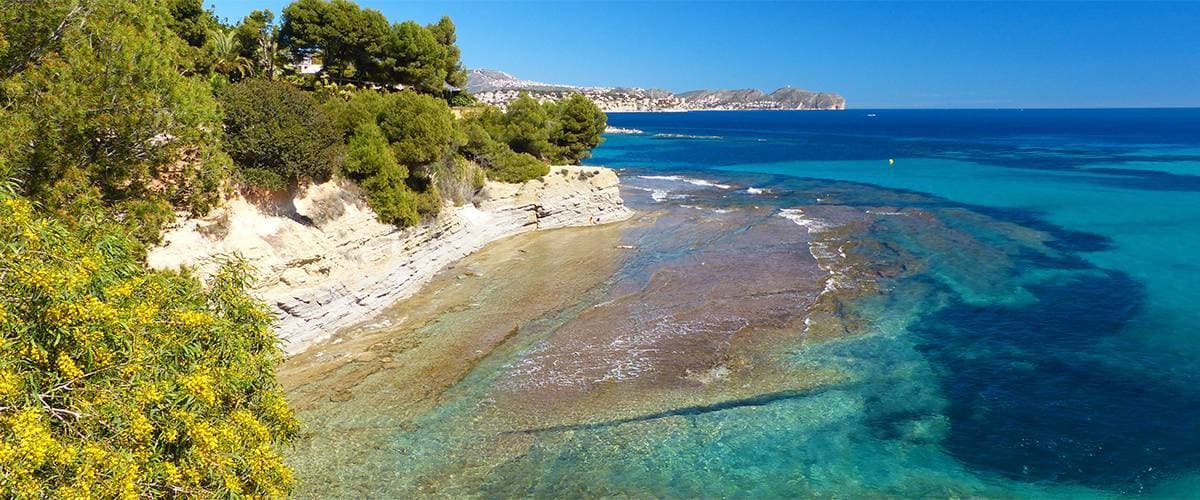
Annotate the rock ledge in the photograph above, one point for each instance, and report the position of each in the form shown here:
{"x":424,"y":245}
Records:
{"x":325,"y":263}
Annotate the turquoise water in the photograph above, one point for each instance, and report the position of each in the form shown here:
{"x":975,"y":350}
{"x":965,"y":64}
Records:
{"x":1006,"y":310}
{"x":1067,"y":371}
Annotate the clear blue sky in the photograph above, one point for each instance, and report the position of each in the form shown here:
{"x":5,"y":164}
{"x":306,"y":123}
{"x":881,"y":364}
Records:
{"x":876,"y":54}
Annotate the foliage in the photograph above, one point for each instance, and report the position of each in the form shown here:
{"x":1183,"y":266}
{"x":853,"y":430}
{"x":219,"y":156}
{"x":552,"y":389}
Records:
{"x":191,"y":21}
{"x":515,"y":146}
{"x":445,"y":33}
{"x":226,"y":55}
{"x":526,"y":128}
{"x":369,"y":154}
{"x":117,"y":381}
{"x":506,"y":165}
{"x":419,"y":127}
{"x":118,"y":126}
{"x":274,"y":127}
{"x":579,"y":125}
{"x":359,"y":43}
{"x":462,"y":99}
{"x":415,"y":58}
{"x":33,"y":28}
{"x":393,"y":201}
{"x":358,"y":108}
{"x":257,"y":40}
{"x":348,"y":38}
{"x":396,"y":137}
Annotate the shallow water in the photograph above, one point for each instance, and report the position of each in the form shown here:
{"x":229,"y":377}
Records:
{"x":1005,"y":311}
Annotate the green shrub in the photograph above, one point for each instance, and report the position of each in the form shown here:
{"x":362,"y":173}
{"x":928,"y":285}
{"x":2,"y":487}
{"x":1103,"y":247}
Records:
{"x":275,"y":127}
{"x":396,"y":197}
{"x":391,"y":199}
{"x":117,"y":381}
{"x":261,"y":178}
{"x":462,"y":100}
{"x":505,"y":165}
{"x":419,"y":127}
{"x":457,"y":179}
{"x":579,"y":125}
{"x":369,"y":154}
{"x":364,"y":106}
{"x":526,"y":127}
{"x":395,"y":141}
{"x":107,"y":118}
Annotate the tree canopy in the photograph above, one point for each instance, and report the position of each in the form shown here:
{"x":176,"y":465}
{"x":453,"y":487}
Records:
{"x":358,"y":43}
{"x":510,"y":145}
{"x":117,"y":125}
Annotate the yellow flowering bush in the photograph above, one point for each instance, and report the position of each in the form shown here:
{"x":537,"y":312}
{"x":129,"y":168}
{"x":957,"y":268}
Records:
{"x":121,"y":382}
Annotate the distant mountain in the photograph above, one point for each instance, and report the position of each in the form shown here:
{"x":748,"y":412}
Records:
{"x":497,"y":87}
{"x":488,"y":80}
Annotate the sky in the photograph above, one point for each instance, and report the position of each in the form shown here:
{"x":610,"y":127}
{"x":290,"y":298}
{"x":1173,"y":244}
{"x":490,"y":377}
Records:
{"x":878,"y":55}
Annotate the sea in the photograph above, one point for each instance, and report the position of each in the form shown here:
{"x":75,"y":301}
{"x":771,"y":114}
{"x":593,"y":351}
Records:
{"x":857,"y":303}
{"x":1082,"y":371}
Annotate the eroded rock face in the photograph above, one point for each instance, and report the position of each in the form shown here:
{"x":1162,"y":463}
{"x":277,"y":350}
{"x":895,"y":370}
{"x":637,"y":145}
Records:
{"x":324,"y":262}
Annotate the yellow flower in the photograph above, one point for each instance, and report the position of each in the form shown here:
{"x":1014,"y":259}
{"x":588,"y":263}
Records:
{"x":31,"y":432}
{"x":10,"y":384}
{"x":194,"y":319}
{"x":140,"y":428}
{"x":67,"y":367}
{"x":35,"y":354}
{"x":199,"y":385}
{"x":66,"y":455}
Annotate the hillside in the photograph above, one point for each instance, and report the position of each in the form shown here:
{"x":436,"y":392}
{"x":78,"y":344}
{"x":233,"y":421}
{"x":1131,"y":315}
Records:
{"x":498,"y":88}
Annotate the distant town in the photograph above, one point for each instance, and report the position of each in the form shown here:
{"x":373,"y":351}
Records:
{"x":499,"y":88}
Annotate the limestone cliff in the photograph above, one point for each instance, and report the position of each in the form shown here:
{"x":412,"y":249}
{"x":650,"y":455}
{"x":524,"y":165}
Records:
{"x":324,"y":262}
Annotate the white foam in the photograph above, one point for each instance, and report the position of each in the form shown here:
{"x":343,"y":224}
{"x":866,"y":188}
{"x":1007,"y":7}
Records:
{"x":659,"y":195}
{"x":830,"y":260}
{"x":618,"y":130}
{"x":797,"y":215}
{"x":754,"y":190}
{"x":689,"y":180}
{"x":688,"y":136}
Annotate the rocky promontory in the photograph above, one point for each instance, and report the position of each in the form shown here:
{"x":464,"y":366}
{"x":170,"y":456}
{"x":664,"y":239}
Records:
{"x":325,"y":262}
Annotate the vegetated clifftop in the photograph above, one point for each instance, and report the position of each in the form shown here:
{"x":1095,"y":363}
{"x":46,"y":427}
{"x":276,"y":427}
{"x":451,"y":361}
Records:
{"x":325,"y":263}
{"x":498,"y":88}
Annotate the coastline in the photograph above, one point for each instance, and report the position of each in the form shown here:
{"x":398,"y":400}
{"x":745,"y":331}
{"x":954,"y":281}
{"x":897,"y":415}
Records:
{"x":325,"y":263}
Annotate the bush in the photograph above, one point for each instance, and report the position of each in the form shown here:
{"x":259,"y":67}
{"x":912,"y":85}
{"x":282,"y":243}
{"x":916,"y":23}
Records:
{"x":361,"y":107}
{"x":369,"y":154}
{"x":505,"y":165}
{"x":107,"y":118}
{"x":390,"y":191}
{"x":275,"y":127}
{"x":120,"y":381}
{"x":580,"y":124}
{"x":458,"y":179}
{"x":391,"y":199}
{"x":419,"y":127}
{"x":526,"y":127}
{"x":462,"y":99}
{"x":394,"y":140}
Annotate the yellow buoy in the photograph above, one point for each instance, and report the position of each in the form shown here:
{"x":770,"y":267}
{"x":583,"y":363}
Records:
{"x":891,"y":161}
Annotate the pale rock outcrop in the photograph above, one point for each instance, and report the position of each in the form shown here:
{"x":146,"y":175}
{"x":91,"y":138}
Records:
{"x":324,"y":262}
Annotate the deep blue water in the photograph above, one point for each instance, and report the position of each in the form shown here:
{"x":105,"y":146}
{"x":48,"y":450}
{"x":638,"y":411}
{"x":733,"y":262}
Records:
{"x":1063,"y":365}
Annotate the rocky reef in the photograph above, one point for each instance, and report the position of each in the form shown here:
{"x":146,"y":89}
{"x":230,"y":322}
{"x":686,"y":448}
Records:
{"x":324,"y":262}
